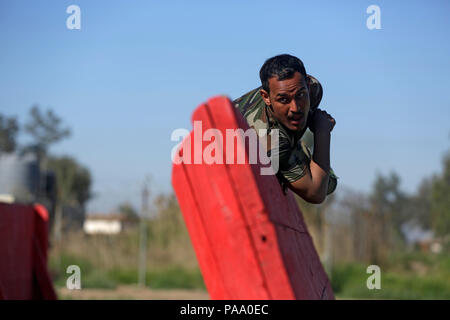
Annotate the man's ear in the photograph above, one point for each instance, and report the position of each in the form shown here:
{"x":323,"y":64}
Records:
{"x":265,"y":95}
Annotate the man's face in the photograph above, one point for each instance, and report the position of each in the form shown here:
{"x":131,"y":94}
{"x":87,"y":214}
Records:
{"x":289,"y":101}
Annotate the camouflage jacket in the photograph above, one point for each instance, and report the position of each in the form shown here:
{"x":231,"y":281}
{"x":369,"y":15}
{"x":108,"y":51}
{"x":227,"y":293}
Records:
{"x":294,"y":153}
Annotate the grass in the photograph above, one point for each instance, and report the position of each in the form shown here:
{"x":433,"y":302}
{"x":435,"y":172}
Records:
{"x":170,"y":277}
{"x":399,"y":280}
{"x":173,"y":277}
{"x":109,"y":261}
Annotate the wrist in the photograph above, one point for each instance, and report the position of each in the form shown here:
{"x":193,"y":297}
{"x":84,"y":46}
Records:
{"x":321,"y":155}
{"x":322,"y":134}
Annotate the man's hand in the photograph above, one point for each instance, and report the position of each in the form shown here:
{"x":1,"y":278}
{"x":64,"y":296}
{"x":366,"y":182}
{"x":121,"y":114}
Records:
{"x":321,"y":122}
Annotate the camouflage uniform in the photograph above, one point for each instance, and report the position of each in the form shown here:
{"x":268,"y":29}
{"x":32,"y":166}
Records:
{"x":294,"y":154}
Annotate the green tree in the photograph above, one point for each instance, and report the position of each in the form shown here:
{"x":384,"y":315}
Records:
{"x":45,"y":128}
{"x":440,"y":200}
{"x":73,"y":187}
{"x":389,"y":212}
{"x":9,"y":128}
{"x":389,"y":201}
{"x":73,"y":180}
{"x":128,"y":211}
{"x":420,"y":204}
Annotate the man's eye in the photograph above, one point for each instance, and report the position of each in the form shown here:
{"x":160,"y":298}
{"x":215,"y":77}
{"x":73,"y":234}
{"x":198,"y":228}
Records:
{"x":283,"y":100}
{"x":300,"y":95}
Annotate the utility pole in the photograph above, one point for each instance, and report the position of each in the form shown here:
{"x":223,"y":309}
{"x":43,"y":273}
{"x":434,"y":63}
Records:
{"x":143,"y":235}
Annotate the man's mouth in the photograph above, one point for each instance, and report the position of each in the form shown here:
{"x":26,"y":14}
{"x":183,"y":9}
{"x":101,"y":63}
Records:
{"x":295,"y":119}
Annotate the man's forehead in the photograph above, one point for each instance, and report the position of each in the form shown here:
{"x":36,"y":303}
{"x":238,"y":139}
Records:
{"x":287,"y":86}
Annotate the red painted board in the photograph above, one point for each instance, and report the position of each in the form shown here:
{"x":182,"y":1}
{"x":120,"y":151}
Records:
{"x":250,"y":239}
{"x":16,"y":251}
{"x":23,"y":253}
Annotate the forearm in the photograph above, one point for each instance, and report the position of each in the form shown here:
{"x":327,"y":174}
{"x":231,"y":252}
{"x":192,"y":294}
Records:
{"x":321,"y":155}
{"x":313,"y":187}
{"x":320,"y":164}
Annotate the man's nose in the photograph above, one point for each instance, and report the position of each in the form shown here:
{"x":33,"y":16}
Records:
{"x":294,"y":107}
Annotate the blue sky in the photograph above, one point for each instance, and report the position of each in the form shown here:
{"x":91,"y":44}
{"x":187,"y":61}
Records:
{"x":137,"y":69}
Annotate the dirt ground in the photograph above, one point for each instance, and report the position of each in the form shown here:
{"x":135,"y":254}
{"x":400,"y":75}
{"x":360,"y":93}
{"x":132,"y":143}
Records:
{"x":131,"y":293}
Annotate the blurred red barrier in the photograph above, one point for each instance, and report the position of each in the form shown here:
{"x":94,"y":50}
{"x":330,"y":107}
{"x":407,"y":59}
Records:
{"x":23,"y":253}
{"x":250,"y":239}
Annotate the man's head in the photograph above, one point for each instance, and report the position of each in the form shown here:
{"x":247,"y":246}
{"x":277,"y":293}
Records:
{"x":285,"y":90}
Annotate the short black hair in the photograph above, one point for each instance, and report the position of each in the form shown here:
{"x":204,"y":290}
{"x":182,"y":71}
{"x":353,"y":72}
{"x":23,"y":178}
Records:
{"x":282,"y":66}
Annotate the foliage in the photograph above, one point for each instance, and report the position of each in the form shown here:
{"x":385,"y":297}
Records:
{"x":175,"y":277}
{"x":440,"y":204}
{"x":399,"y":281}
{"x":388,"y":200}
{"x":9,"y":128}
{"x":45,"y":130}
{"x":128,"y":211}
{"x":107,"y":261}
{"x":73,"y":180}
{"x":420,"y":204}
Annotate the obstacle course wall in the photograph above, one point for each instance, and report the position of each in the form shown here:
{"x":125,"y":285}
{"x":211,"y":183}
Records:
{"x":23,"y":253}
{"x":250,"y":238}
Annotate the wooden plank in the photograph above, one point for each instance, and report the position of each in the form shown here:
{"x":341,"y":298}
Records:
{"x":205,"y":255}
{"x":23,"y":253}
{"x":16,"y":248}
{"x":254,"y":211}
{"x":224,"y":221}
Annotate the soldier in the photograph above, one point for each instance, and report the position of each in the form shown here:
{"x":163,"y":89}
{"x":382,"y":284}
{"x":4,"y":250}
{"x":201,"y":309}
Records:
{"x":288,"y":100}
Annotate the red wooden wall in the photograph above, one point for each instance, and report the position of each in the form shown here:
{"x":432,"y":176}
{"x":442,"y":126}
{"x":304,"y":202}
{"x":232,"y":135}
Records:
{"x":250,"y":239}
{"x":23,"y":253}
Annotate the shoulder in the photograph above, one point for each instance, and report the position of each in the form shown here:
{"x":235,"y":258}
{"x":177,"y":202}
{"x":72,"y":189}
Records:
{"x":252,"y":107}
{"x":315,"y":91}
{"x":249,"y":101}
